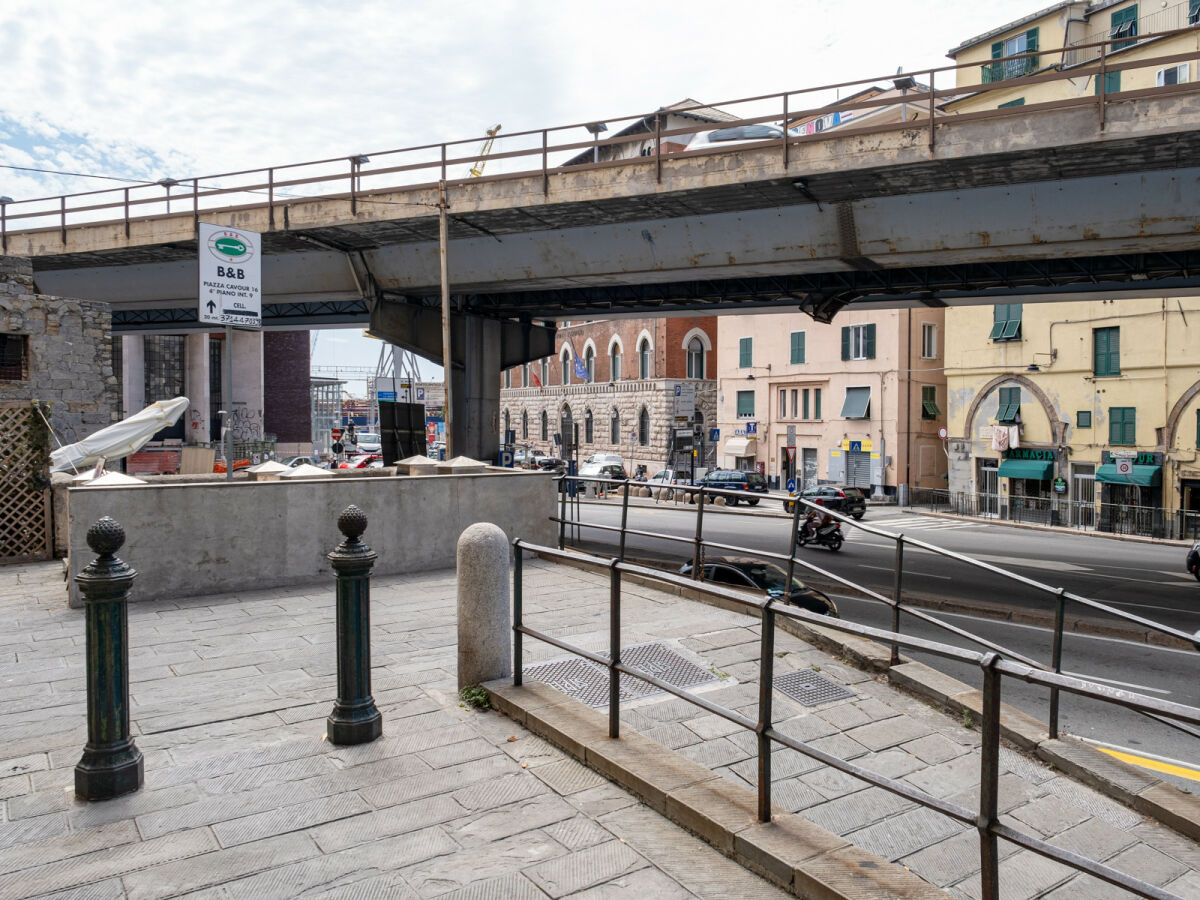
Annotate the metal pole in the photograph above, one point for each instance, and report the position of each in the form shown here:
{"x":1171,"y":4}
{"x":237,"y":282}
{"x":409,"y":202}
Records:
{"x":614,"y":650}
{"x":111,"y":764}
{"x":562,"y":512}
{"x":989,"y":779}
{"x":897,"y":586}
{"x":791,"y":570}
{"x":1056,"y":657}
{"x":698,"y":552}
{"x":355,"y":718}
{"x":518,"y":604}
{"x":624,"y":519}
{"x":766,"y":683}
{"x":227,"y":399}
{"x":443,"y":240}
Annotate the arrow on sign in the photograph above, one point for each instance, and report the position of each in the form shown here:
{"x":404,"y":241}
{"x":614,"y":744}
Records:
{"x":211,"y":306}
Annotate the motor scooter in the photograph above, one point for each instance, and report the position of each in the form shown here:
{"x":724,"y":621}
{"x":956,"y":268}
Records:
{"x":1193,"y":560}
{"x":825,"y":535}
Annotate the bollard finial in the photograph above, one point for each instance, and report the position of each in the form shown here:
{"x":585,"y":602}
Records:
{"x":352,"y":522}
{"x":106,"y":536}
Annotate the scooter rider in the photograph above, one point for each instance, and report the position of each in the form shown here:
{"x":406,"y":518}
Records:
{"x":814,"y":521}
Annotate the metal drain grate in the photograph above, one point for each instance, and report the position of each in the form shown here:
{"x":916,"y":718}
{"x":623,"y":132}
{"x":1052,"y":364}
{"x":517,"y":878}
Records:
{"x":810,"y":689}
{"x":587,"y":682}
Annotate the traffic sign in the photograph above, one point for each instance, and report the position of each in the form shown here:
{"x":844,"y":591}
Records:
{"x":230,"y":276}
{"x":791,"y":455}
{"x":943,"y":433}
{"x":505,"y":460}
{"x":336,"y":433}
{"x":1124,"y":466}
{"x":791,"y":485}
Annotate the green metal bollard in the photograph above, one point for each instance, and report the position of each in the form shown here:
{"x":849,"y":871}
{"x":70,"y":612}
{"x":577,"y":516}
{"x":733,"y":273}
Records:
{"x":111,"y":764}
{"x":355,"y":719}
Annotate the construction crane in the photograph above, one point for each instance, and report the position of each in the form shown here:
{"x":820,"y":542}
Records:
{"x":477,"y":169}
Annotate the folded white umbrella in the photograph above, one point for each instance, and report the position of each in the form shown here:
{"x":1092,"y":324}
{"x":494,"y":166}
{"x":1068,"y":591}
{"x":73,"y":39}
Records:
{"x":119,"y":440}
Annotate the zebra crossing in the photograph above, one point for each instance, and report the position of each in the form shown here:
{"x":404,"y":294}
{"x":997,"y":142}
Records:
{"x":907,"y":523}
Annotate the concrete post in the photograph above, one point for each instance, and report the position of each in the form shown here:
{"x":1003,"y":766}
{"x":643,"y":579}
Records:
{"x":111,"y":764}
{"x":355,"y":718}
{"x":196,"y":387}
{"x":484,"y":615}
{"x":476,"y":391}
{"x":133,"y":372}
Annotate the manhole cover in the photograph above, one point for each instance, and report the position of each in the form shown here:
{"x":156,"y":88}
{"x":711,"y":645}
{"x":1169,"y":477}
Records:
{"x":587,"y":682}
{"x":810,"y":689}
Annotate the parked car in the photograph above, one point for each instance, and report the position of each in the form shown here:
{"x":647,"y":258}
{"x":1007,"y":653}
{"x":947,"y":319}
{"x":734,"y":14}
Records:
{"x":363,"y":462}
{"x":1193,"y":560}
{"x":522,"y":458}
{"x":612,"y":470}
{"x":766,"y":578}
{"x":732,"y":480}
{"x":841,"y":498}
{"x":549,"y":463}
{"x":368,"y":442}
{"x":604,"y":458}
{"x":669,"y":476}
{"x":293,"y":461}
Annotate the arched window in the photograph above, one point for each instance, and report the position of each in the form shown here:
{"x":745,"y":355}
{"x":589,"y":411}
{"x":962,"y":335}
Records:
{"x":566,"y":365}
{"x":587,"y":427}
{"x":545,"y":426}
{"x":564,"y":427}
{"x":644,"y":359}
{"x":589,"y":360}
{"x":614,"y":429}
{"x":695,"y":358}
{"x":644,"y":427}
{"x":525,"y":425}
{"x":614,"y":362}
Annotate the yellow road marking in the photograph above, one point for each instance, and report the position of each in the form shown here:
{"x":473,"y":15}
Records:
{"x":1153,"y":764}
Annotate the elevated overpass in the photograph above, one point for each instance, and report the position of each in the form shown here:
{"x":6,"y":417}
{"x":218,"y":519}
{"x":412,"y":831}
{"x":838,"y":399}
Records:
{"x":1097,"y":198}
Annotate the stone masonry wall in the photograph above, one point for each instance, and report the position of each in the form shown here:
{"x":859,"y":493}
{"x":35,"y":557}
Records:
{"x":69,"y":353}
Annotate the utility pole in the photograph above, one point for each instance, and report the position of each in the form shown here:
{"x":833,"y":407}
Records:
{"x":443,"y":240}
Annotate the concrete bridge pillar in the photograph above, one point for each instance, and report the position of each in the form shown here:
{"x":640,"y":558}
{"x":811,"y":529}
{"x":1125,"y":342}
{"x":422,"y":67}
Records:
{"x":475,"y":388}
{"x":196,"y":387}
{"x":247,"y":385}
{"x":133,"y":373}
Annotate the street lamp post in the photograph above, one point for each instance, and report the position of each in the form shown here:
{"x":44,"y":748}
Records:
{"x":594,"y":130}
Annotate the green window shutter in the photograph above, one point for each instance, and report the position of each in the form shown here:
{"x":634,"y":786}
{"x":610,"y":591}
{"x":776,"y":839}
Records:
{"x":1112,"y":82}
{"x":745,"y":404}
{"x":1083,"y":418}
{"x":804,"y":403}
{"x":1106,"y":351}
{"x":869,"y":341}
{"x":994,"y":71}
{"x":1193,"y":12}
{"x":845,"y":342}
{"x":745,"y":353}
{"x":1031,"y":46}
{"x":1020,"y":101}
{"x":999,"y":317}
{"x":1009,"y":406}
{"x":817,"y":396}
{"x":797,"y":347}
{"x":1122,"y":425}
{"x":929,"y":407}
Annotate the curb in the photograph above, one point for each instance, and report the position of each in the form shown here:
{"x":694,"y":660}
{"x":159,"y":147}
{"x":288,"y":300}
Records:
{"x":1057,"y":529}
{"x":789,"y":851}
{"x":1127,"y":784}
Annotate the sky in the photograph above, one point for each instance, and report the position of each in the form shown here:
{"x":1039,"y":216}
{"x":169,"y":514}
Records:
{"x":144,"y":91}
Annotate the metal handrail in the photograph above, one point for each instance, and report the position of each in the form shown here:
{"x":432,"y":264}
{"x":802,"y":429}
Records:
{"x":1061,"y":595}
{"x":265,"y":180}
{"x":986,"y":820}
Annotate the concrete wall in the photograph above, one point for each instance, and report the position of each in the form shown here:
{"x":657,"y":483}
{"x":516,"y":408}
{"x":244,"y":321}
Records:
{"x":193,"y":539}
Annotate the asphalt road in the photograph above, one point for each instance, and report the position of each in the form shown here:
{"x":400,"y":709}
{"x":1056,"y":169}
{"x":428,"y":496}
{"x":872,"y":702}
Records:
{"x":1143,"y":578}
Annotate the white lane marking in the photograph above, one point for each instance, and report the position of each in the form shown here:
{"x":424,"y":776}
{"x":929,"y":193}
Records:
{"x":907,"y":572}
{"x":1140,"y":605}
{"x":1025,"y":562}
{"x":1127,"y":684}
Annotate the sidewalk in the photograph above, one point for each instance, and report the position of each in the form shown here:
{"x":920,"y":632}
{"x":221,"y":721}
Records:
{"x":243,"y":797}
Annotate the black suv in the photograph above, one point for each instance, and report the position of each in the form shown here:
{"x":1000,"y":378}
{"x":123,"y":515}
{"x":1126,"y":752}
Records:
{"x":731,"y":480}
{"x":841,"y":498}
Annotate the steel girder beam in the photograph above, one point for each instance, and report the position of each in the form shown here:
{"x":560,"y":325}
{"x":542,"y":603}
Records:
{"x":315,"y":314}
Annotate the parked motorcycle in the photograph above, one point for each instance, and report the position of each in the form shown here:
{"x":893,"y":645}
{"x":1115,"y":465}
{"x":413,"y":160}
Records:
{"x":825,"y":535}
{"x":1193,"y":560}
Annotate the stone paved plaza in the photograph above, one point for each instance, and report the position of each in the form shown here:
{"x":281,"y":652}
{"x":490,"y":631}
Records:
{"x":244,"y":798}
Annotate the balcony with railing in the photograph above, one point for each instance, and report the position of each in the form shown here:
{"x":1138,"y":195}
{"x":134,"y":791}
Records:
{"x":1126,"y":34}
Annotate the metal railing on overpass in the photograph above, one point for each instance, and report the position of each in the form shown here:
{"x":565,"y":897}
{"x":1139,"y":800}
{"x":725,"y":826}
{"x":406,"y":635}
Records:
{"x":370,"y":179}
{"x":702,"y":497}
{"x":994,"y":667}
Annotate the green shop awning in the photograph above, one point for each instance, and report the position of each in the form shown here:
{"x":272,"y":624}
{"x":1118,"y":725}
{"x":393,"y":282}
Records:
{"x":1037,"y":469}
{"x":1142,"y":476}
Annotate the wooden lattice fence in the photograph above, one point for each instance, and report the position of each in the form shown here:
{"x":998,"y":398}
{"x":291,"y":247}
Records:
{"x":25,"y":530}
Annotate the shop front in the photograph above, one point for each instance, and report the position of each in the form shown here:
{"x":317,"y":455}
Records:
{"x":1030,"y":474}
{"x":1131,"y":492}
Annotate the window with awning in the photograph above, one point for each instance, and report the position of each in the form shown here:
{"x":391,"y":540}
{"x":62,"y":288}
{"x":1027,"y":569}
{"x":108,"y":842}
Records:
{"x":1035,"y":469}
{"x":857,"y":404}
{"x":1142,"y":476}
{"x":740,"y":446}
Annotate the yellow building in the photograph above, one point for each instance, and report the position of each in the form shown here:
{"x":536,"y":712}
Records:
{"x":1082,"y":413}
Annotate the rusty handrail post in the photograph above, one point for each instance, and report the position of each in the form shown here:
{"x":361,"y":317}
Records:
{"x":62,"y":207}
{"x":545,"y":163}
{"x":658,"y":147}
{"x":785,"y":139}
{"x":989,"y":779}
{"x":126,"y":212}
{"x":624,"y":520}
{"x":1101,"y":84}
{"x":1056,"y":657}
{"x":355,"y":718}
{"x":614,"y":649}
{"x":353,"y":187}
{"x":443,"y":178}
{"x":897,"y":588}
{"x":4,"y":227}
{"x":518,"y":612}
{"x":196,"y":207}
{"x":698,"y":551}
{"x":932,"y":95}
{"x":791,"y":569}
{"x":766,"y":684}
{"x":111,"y":764}
{"x":271,"y":198}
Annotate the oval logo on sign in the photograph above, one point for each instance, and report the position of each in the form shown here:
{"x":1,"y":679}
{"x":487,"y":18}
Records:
{"x":230,"y":246}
